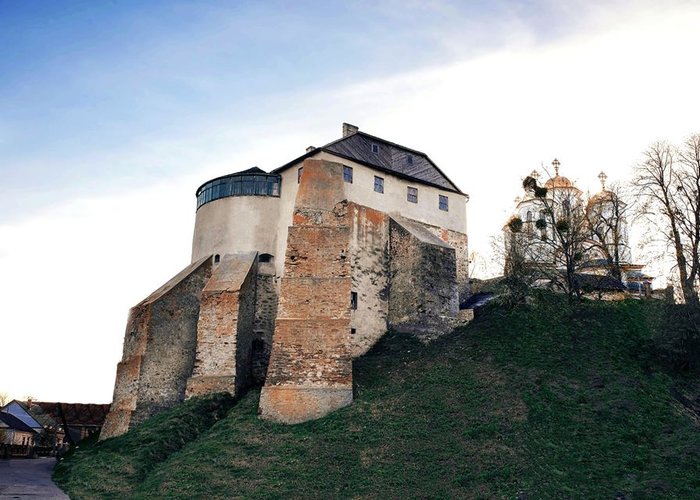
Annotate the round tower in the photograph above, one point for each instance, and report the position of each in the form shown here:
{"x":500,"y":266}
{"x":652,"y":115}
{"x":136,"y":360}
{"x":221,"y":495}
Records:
{"x":237,"y":213}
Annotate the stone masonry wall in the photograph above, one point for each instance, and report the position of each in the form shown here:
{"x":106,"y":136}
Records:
{"x":225,"y":327}
{"x":423,"y":296}
{"x":369,"y":254}
{"x":459,"y":242}
{"x":266,"y":297}
{"x":310,"y":371}
{"x":158,"y":350}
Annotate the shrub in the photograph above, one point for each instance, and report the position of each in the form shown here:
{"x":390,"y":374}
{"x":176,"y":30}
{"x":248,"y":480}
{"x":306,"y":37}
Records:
{"x":515,"y":224}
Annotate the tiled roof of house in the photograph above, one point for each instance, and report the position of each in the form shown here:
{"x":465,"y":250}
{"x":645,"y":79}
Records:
{"x":13,"y":422}
{"x":386,"y":157}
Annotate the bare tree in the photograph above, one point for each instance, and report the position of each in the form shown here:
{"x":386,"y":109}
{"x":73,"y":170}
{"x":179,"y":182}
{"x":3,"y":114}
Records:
{"x":667,"y":181}
{"x":552,"y":246}
{"x":607,"y":213}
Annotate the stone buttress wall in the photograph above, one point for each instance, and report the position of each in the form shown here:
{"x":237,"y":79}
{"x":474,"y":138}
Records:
{"x":423,"y":296}
{"x":459,"y":242}
{"x":266,"y":297}
{"x":369,"y":254}
{"x":159,"y":346}
{"x":310,"y":370}
{"x":225,"y":328}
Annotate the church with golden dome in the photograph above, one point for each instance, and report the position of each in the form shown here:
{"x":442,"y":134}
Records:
{"x":604,"y":262}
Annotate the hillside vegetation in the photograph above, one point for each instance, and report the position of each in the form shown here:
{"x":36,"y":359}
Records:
{"x":543,"y":401}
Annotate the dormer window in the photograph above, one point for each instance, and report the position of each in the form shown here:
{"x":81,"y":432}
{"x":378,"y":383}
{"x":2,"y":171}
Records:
{"x":409,"y":160}
{"x":375,"y":148}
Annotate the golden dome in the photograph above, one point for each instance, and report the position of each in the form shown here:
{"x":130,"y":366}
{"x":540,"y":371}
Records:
{"x":602,"y":197}
{"x":558,"y":181}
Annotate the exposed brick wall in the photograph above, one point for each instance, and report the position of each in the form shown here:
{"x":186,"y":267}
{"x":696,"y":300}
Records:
{"x":225,"y":327}
{"x":310,"y":371}
{"x":159,"y":346}
{"x":423,"y":296}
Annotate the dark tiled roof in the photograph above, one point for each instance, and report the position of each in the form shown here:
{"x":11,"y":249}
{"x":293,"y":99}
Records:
{"x":14,"y":423}
{"x":600,"y":283}
{"x":390,"y":157}
{"x":76,"y":413}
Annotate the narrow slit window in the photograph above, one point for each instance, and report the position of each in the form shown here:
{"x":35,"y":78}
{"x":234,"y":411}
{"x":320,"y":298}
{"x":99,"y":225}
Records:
{"x":347,"y":174}
{"x":409,"y":160}
{"x":379,"y":184}
{"x":217,"y":258}
{"x":353,"y":300}
{"x":412,"y":194}
{"x":353,"y":331}
{"x":375,"y":148}
{"x":444,"y":203}
{"x":299,"y":172}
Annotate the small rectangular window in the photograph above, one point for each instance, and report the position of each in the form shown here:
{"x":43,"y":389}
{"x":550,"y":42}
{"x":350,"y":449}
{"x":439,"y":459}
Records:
{"x":444,"y":203}
{"x":353,"y":300}
{"x":412,"y":195}
{"x":378,"y":184}
{"x":375,"y":148}
{"x":409,"y":160}
{"x":347,"y":174}
{"x":301,"y":169}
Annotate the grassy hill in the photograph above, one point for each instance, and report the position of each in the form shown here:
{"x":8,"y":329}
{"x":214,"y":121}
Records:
{"x":545,"y":401}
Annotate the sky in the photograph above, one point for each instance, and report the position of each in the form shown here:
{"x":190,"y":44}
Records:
{"x":113,"y":113}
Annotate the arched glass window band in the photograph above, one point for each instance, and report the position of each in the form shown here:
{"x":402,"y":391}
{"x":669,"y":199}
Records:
{"x":239,"y":185}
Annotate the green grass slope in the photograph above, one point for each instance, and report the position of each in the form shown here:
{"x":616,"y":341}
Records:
{"x":546,"y":401}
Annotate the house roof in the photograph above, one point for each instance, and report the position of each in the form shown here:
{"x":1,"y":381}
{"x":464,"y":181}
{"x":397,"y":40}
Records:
{"x":390,"y":157}
{"x":13,"y":422}
{"x":599,"y":283}
{"x":76,"y":414}
{"x":20,"y":410}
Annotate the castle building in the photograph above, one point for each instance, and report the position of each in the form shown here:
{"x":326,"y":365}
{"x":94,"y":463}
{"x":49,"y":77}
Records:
{"x":295,"y":273}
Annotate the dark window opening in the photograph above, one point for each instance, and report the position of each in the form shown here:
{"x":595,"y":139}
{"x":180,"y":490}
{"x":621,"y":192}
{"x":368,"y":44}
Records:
{"x":353,"y":300}
{"x":258,"y":346}
{"x":353,"y":331}
{"x":347,"y":174}
{"x":412,"y":195}
{"x":217,"y":258}
{"x":378,"y":184}
{"x":444,"y":203}
{"x":409,"y":160}
{"x":375,"y":148}
{"x":299,"y":172}
{"x":265,"y":257}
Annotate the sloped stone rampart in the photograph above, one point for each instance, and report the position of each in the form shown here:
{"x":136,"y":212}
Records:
{"x":423,"y":295}
{"x":159,"y":346}
{"x":225,"y":328}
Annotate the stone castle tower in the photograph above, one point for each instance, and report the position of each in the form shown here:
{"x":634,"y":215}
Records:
{"x":294,"y":274}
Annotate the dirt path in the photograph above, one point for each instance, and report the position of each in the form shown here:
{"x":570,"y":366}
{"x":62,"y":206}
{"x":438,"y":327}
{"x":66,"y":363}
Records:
{"x":26,"y":478}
